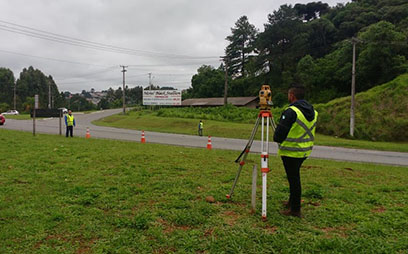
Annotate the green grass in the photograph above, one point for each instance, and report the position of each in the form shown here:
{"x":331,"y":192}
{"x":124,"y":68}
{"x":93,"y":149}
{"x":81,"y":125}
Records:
{"x":60,"y":195}
{"x":18,"y":117}
{"x":147,"y":120}
{"x":28,"y":117}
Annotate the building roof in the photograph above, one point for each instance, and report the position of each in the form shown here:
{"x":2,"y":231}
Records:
{"x":236,"y":101}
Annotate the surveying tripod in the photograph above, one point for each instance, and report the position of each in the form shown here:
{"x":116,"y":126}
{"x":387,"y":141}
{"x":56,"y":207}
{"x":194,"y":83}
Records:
{"x":264,"y":116}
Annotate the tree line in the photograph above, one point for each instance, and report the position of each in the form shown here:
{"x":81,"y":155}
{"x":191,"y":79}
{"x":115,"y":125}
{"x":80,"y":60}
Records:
{"x":311,"y":44}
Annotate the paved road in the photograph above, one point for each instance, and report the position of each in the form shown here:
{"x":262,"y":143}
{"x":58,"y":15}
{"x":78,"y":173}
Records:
{"x":51,"y":126}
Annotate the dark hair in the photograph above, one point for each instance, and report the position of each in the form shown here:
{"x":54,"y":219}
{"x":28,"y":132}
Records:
{"x":298,"y":91}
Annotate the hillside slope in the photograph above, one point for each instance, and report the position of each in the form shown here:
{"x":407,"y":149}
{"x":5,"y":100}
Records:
{"x":381,"y":113}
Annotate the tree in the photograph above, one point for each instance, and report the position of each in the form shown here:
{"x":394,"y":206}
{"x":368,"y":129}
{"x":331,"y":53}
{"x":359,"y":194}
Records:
{"x":134,"y":95}
{"x":383,"y":55}
{"x":79,"y":103}
{"x":241,"y":46}
{"x":281,"y":44}
{"x":32,"y":82}
{"x":311,"y":11}
{"x":209,"y":82}
{"x":321,"y":36}
{"x":328,"y":77}
{"x":6,"y":88}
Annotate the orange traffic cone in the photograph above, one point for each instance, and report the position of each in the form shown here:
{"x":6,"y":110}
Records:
{"x":209,"y":146}
{"x":87,"y":135}
{"x":143,"y":140}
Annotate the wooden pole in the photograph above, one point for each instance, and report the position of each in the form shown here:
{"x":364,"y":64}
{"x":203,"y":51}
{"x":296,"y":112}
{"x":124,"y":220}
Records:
{"x":226,"y":82}
{"x":353,"y":88}
{"x":34,"y":122}
{"x":60,"y":125}
{"x":253,"y":196}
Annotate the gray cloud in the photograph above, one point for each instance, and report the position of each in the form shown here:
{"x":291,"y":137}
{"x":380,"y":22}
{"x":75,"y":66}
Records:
{"x":180,"y":27}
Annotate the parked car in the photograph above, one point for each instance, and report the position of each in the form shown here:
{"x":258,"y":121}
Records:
{"x":2,"y":119}
{"x":10,"y":112}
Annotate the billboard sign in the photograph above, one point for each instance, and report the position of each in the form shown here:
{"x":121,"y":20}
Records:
{"x":162,"y":97}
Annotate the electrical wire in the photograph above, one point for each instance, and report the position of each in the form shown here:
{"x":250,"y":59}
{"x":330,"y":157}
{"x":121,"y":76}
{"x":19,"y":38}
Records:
{"x":41,"y":34}
{"x":52,"y":59}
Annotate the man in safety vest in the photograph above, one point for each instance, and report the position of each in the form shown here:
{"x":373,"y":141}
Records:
{"x":70,"y":123}
{"x":200,"y":128}
{"x":295,"y":134}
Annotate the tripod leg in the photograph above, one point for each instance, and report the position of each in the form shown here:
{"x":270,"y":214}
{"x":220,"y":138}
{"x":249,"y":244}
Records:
{"x":273,"y":124}
{"x":242,"y":162}
{"x":264,"y":164}
{"x":250,"y":140}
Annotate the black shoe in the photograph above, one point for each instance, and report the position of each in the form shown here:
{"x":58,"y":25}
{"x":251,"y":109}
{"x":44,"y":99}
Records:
{"x":286,"y":204}
{"x":291,"y":213}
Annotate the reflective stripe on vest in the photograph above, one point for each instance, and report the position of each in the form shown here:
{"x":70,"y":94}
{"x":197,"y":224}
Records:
{"x":70,"y":120}
{"x":299,"y":142}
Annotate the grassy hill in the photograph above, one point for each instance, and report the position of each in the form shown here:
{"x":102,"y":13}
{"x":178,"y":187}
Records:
{"x":381,"y":113}
{"x":79,"y":195}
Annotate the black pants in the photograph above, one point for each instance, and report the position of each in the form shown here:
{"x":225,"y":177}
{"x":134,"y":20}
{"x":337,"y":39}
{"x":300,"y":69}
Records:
{"x":200,"y":132}
{"x":292,"y":168}
{"x":70,"y":130}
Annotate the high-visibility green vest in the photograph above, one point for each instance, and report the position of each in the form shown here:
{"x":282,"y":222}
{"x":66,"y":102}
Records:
{"x":201,"y":125}
{"x":70,"y":120}
{"x":299,"y":142}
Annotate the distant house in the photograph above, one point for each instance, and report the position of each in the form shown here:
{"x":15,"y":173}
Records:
{"x":249,"y":102}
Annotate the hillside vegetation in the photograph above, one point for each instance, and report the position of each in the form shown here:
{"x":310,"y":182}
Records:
{"x":381,"y":113}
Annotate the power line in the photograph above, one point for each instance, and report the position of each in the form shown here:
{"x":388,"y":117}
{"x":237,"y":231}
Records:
{"x":89,"y":74}
{"x":41,"y":34}
{"x":95,"y":80}
{"x":51,"y":59}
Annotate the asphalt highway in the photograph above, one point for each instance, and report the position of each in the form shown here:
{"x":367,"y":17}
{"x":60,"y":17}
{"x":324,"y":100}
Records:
{"x":51,"y":126}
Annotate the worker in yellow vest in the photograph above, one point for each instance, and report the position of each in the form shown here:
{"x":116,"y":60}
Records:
{"x":70,"y":123}
{"x":200,"y":128}
{"x":295,"y":135}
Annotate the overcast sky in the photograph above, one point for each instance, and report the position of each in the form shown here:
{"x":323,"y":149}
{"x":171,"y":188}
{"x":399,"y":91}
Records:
{"x":168,"y":38}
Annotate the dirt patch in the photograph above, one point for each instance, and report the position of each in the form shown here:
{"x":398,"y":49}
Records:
{"x":330,"y":232}
{"x":209,"y":232}
{"x":311,"y":167}
{"x":230,"y":217}
{"x":84,"y":245}
{"x":271,"y":229}
{"x":49,"y":238}
{"x":165,"y":250}
{"x":169,"y":228}
{"x":313,"y":203}
{"x":379,"y":209}
{"x":210,"y":199}
{"x":20,"y":181}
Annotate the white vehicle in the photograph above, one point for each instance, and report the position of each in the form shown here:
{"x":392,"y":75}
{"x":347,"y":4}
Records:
{"x":10,"y":112}
{"x":64,"y":110}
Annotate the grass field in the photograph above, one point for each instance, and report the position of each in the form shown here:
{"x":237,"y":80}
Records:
{"x":60,"y":195}
{"x":18,"y":117}
{"x":145,"y":120}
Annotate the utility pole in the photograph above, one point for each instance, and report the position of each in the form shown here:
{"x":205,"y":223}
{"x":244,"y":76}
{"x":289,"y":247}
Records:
{"x":354,"y":41}
{"x":15,"y":87}
{"x":124,"y":105}
{"x":225,"y":58}
{"x":150,"y":81}
{"x":49,"y":94}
